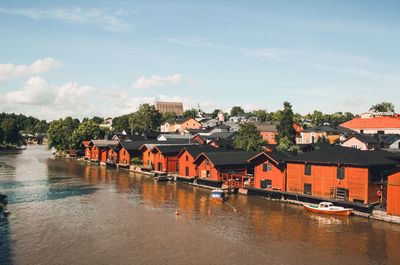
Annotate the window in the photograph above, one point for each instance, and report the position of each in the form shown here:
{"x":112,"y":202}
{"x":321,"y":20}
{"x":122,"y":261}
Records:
{"x":307,"y":189}
{"x":266,"y":184}
{"x":307,"y":169}
{"x":207,"y":162}
{"x":340,"y":173}
{"x":361,"y":131}
{"x":267,"y":167}
{"x":148,"y":154}
{"x":187,"y":158}
{"x":381,"y":132}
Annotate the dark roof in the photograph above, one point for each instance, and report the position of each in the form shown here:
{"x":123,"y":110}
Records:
{"x":229,"y":158}
{"x":346,"y":156}
{"x":268,"y":126}
{"x":365,"y":138}
{"x":329,"y":129}
{"x":170,"y":149}
{"x":271,"y":146}
{"x":225,"y":144}
{"x":278,"y":156}
{"x":151,"y":135}
{"x":195,"y":150}
{"x":135,"y":145}
{"x":220,"y":135}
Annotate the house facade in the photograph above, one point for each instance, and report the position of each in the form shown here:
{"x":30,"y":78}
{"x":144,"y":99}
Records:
{"x":375,"y":124}
{"x":180,"y":125}
{"x":339,"y":173}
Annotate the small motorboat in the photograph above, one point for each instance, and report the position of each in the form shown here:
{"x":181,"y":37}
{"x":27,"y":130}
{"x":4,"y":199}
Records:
{"x":217,"y":195}
{"x":328,"y":208}
{"x":160,"y":176}
{"x":6,"y":212}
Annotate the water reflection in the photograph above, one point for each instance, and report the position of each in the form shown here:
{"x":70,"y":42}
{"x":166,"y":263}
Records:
{"x":61,"y":204}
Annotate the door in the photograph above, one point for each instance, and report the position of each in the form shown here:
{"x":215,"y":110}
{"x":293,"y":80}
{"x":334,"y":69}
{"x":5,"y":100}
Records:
{"x":159,"y":166}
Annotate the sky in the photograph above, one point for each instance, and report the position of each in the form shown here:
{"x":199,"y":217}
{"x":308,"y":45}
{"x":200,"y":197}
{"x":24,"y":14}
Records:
{"x":105,"y":58}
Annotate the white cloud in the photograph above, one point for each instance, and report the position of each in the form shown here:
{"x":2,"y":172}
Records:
{"x":110,"y":21}
{"x":8,"y":71}
{"x":35,"y":92}
{"x":157,"y":81}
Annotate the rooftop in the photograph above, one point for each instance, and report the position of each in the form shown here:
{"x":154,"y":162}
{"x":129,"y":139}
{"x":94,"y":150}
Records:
{"x":373,"y":123}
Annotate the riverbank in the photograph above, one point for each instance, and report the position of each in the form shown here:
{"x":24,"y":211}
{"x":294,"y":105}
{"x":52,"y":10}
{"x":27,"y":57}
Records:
{"x":371,"y":214}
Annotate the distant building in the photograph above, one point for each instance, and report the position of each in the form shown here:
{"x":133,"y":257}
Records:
{"x":165,"y":107}
{"x":362,"y":142}
{"x":221,"y":116}
{"x":372,"y":123}
{"x":332,"y":134}
{"x":268,"y":130}
{"x":180,"y":125}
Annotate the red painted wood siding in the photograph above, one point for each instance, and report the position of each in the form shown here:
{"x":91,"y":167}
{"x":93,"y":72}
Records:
{"x":112,"y":156}
{"x":148,"y":158}
{"x":169,"y":163}
{"x":88,"y":152}
{"x":269,"y":137}
{"x":95,"y":154}
{"x":214,"y":174}
{"x":187,"y":161}
{"x":124,"y":157}
{"x":103,"y":155}
{"x":323,"y":178}
{"x":393,"y":194}
{"x":276,"y":176}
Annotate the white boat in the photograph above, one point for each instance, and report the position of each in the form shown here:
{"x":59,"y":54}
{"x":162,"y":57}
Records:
{"x":328,"y":208}
{"x":217,"y":195}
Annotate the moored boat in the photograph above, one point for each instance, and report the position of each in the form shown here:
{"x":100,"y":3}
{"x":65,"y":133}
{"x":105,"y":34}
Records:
{"x":217,"y":195}
{"x":328,"y":208}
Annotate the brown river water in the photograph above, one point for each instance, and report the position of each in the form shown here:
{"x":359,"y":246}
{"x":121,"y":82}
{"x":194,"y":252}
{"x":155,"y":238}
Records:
{"x":67,"y":212}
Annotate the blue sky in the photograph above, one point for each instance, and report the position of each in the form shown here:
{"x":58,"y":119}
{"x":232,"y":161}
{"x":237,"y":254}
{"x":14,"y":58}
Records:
{"x":104,"y":58}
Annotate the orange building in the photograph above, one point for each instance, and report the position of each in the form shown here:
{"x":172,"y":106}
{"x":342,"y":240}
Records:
{"x":180,"y":125}
{"x":268,"y":130}
{"x":187,"y":167}
{"x":212,"y":166}
{"x":85,"y":145}
{"x":99,"y":149}
{"x":270,"y":170}
{"x":166,"y":157}
{"x":129,"y":150}
{"x":339,"y":173}
{"x":372,"y":123}
{"x":393,"y":192}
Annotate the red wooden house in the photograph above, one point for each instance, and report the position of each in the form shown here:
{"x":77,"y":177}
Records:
{"x":113,"y":155}
{"x":339,"y":173}
{"x":99,"y":149}
{"x":87,"y":148}
{"x":187,"y":167}
{"x":147,"y":155}
{"x":213,"y":168}
{"x":393,"y":192}
{"x":270,"y":170}
{"x":166,"y":157}
{"x":129,"y":150}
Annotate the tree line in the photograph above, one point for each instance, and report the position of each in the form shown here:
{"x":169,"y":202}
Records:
{"x":12,"y":126}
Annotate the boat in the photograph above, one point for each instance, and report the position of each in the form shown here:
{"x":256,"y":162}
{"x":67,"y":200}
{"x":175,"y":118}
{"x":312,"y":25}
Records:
{"x":160,"y":176}
{"x":328,"y":208}
{"x":217,"y":195}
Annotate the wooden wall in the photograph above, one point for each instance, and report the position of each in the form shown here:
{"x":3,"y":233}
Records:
{"x":276,"y":175}
{"x":393,"y":194}
{"x":324,"y":177}
{"x":186,"y":160}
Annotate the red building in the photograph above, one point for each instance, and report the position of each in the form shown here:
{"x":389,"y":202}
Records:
{"x":129,"y":150}
{"x":270,"y":170}
{"x":393,"y":192}
{"x":166,"y":157}
{"x":268,"y":130}
{"x":85,"y":145}
{"x":187,"y":167}
{"x":99,"y":149}
{"x":339,"y":173}
{"x":213,"y":168}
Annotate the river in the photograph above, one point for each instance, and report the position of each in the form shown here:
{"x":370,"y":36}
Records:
{"x":68,"y":212}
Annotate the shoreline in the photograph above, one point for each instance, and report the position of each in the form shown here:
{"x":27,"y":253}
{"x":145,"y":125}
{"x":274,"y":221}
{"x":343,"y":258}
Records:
{"x":377,"y":215}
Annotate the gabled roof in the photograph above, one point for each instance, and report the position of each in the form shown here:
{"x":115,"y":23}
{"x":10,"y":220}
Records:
{"x":85,"y":143}
{"x":346,"y":156}
{"x":336,"y":130}
{"x":365,"y":138}
{"x":228,"y":158}
{"x":180,"y":120}
{"x":169,"y":150}
{"x":220,"y":135}
{"x":373,"y":123}
{"x":103,"y":143}
{"x":195,"y":150}
{"x":278,"y":157}
{"x":268,"y":126}
{"x":135,"y":145}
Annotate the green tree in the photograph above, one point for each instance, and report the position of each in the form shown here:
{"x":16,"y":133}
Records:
{"x":383,"y":107}
{"x":147,"y":118}
{"x":168,"y":115}
{"x":58,"y":134}
{"x":98,"y":120}
{"x":88,"y":130}
{"x":10,"y":132}
{"x":191,"y":113}
{"x":285,"y":144}
{"x":121,"y":123}
{"x":41,"y":127}
{"x":249,"y":138}
{"x":261,"y":115}
{"x":286,"y":131}
{"x":215,"y":112}
{"x":237,"y":111}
